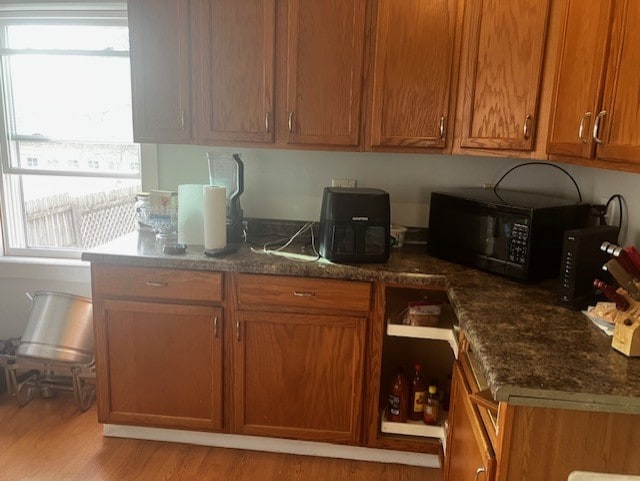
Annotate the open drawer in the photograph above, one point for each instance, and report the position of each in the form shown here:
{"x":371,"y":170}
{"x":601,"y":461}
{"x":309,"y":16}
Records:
{"x":479,"y":392}
{"x":470,"y":455}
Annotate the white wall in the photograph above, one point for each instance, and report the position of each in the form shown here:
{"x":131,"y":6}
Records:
{"x":19,"y":277}
{"x":288,"y":184}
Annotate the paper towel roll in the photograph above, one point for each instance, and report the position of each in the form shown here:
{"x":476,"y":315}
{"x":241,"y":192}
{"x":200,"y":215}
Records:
{"x":190,"y":214}
{"x":215,"y":217}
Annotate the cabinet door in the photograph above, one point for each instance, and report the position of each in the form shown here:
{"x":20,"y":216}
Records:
{"x":469,"y":453}
{"x":506,"y":43}
{"x":233,"y":58}
{"x":619,"y":122}
{"x":299,"y":376}
{"x":159,"y":37}
{"x":579,"y":77}
{"x":324,"y":71}
{"x":159,"y":364}
{"x":411,"y":96}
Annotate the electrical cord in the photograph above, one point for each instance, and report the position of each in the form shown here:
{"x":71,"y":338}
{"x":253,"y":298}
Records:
{"x":495,"y":187}
{"x":606,"y":209}
{"x":287,"y":242}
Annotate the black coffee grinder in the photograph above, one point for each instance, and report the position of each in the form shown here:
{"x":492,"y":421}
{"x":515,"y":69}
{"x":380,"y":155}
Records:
{"x":227,"y":170}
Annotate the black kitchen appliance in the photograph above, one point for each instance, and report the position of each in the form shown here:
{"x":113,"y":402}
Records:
{"x":515,"y":234}
{"x":227,"y":170}
{"x":355,"y":225}
{"x":581,"y":263}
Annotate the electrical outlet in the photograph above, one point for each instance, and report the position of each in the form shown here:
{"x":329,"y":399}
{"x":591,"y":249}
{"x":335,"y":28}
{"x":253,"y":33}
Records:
{"x":344,"y":183}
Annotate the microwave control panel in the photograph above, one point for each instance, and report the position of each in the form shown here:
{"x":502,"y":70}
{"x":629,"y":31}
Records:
{"x":518,"y":243}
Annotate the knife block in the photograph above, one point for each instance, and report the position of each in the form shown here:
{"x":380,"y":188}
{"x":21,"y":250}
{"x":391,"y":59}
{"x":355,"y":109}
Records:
{"x":626,"y":334}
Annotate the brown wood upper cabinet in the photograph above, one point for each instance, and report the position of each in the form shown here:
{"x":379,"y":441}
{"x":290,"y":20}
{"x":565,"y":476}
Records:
{"x":505,"y":43}
{"x":324,"y":71}
{"x":161,"y":89}
{"x":412,"y":73}
{"x":597,"y":90}
{"x":233,"y":69}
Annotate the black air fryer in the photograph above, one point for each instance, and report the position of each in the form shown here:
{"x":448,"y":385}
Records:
{"x":354,"y":225}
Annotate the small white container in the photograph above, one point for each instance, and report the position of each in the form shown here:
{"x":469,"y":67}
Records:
{"x":397,"y":235}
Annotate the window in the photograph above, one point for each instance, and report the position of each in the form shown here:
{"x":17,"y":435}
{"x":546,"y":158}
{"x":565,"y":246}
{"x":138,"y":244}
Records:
{"x":70,"y":167}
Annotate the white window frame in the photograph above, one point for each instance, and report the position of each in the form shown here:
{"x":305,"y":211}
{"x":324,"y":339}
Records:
{"x":84,"y":13}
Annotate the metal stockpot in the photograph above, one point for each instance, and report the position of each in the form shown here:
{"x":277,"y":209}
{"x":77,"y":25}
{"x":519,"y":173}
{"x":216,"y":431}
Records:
{"x":60,"y":328}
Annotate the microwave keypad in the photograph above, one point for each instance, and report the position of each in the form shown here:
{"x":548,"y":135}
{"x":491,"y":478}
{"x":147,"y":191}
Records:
{"x":518,"y":243}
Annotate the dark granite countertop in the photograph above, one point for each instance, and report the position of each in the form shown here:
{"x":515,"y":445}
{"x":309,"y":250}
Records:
{"x":532,"y":352}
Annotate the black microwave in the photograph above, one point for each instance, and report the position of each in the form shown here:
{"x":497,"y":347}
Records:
{"x":515,"y":234}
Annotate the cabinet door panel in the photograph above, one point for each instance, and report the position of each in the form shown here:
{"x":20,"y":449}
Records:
{"x":162,"y":364}
{"x":159,"y":37}
{"x":620,"y":128}
{"x":412,"y":72}
{"x":468,"y":447}
{"x":579,"y":77}
{"x":324,"y":71}
{"x":233,"y":58}
{"x":506,"y":49}
{"x":299,"y":376}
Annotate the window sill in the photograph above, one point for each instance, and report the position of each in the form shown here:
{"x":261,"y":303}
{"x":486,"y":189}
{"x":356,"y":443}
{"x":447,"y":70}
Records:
{"x":44,"y":268}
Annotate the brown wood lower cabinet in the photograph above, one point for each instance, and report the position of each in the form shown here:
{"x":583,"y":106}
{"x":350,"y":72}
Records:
{"x":159,"y":364}
{"x":293,"y":356}
{"x":528,"y":442}
{"x":470,"y":455}
{"x":299,"y":375}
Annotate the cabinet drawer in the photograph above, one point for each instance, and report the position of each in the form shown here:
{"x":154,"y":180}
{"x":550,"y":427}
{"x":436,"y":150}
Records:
{"x":469,"y":452}
{"x":303,"y":293}
{"x":480,"y":394}
{"x":165,"y":284}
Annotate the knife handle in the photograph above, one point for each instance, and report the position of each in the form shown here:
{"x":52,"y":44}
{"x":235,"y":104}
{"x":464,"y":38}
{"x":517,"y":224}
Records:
{"x":608,"y":247}
{"x":634,"y":256}
{"x":621,"y":303}
{"x":623,"y":278}
{"x":625,"y":261}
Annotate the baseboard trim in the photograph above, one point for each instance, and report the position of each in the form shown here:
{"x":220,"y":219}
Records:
{"x":256,"y":443}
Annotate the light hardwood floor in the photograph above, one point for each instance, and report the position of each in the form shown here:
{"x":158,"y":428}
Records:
{"x":50,"y":440}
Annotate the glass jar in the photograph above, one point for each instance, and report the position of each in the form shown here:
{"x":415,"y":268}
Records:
{"x":142,"y":209}
{"x":431,"y":406}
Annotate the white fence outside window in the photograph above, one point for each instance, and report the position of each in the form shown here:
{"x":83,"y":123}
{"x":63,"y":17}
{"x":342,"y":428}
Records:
{"x":82,"y":222}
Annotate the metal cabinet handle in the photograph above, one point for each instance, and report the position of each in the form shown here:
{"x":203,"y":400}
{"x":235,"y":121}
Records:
{"x":182,"y":119}
{"x":586,"y":116}
{"x":303,"y":293}
{"x":238,"y":331}
{"x":290,"y":122}
{"x":266,"y":122}
{"x":442,"y":125}
{"x":525,"y":128}
{"x":157,"y":284}
{"x":478,"y":471}
{"x":596,"y":127}
{"x":215,"y":326}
